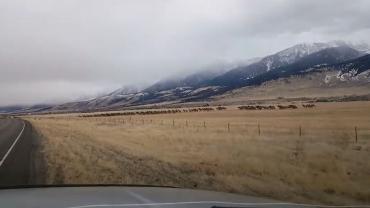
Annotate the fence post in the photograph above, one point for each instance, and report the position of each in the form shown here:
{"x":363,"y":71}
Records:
{"x":228,"y":127}
{"x":259,"y":129}
{"x":204,"y":124}
{"x":300,"y":131}
{"x":355,"y":134}
{"x":186,"y":123}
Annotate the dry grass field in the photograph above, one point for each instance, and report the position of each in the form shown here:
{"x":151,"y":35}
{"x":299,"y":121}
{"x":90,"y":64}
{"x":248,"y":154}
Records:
{"x":261,"y":153}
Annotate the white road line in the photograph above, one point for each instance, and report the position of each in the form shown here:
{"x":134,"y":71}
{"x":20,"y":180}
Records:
{"x":14,"y":143}
{"x":215,"y":202}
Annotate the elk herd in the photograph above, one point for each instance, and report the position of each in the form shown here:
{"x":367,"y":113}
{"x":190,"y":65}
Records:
{"x":201,"y":109}
{"x":153,"y":112}
{"x":272,"y":107}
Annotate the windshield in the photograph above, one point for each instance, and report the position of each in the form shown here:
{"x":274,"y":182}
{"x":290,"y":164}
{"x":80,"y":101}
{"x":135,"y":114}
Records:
{"x":267,"y":99}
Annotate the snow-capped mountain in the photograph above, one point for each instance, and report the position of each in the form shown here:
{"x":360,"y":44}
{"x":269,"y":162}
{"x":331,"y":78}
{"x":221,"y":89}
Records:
{"x":292,"y":54}
{"x":338,"y":60}
{"x":192,"y":80}
{"x":194,"y":90}
{"x":307,"y":64}
{"x":362,"y":47}
{"x":116,"y":96}
{"x":196,"y":79}
{"x":345,"y":81}
{"x":125,"y":90}
{"x":239,"y":76}
{"x":353,"y":70}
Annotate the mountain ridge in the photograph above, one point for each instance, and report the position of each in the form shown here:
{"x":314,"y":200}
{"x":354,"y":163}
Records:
{"x":299,"y":59}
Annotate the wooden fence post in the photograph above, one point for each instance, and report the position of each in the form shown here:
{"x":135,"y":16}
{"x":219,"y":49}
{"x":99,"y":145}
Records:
{"x":300,"y":131}
{"x":204,"y":124}
{"x":228,"y":127}
{"x":259,"y":129}
{"x":355,"y":134}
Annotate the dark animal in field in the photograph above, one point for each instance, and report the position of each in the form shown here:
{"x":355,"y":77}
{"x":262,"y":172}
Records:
{"x":257,"y":107}
{"x":308,"y":105}
{"x":261,"y":107}
{"x":247,"y":107}
{"x":221,"y":108}
{"x":206,"y":109}
{"x":134,"y":113}
{"x":282,"y":107}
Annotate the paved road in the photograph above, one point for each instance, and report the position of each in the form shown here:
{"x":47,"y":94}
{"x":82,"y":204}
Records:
{"x":15,"y":152}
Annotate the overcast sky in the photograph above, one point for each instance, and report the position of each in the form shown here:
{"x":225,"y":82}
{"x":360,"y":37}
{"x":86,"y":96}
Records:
{"x":61,"y":50}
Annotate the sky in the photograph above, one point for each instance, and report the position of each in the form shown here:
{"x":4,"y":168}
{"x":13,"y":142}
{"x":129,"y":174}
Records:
{"x":54,"y":51}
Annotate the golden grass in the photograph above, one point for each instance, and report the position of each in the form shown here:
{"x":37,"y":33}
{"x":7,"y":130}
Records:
{"x":323,"y":165}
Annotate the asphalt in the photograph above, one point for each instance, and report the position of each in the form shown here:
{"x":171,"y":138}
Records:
{"x":16,"y":165}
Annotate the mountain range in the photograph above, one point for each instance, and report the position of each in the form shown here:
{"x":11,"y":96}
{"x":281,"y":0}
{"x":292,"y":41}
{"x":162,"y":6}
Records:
{"x":350,"y":63}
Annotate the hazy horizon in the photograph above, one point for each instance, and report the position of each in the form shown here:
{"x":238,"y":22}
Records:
{"x":60,"y":51}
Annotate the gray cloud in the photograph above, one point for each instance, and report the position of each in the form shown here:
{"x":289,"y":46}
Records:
{"x":54,"y":51}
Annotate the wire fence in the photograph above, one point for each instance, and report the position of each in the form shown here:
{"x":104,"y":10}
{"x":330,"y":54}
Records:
{"x":351,"y":134}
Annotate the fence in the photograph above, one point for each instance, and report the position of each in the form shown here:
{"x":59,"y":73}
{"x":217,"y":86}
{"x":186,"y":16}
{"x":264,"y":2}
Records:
{"x":248,"y":128}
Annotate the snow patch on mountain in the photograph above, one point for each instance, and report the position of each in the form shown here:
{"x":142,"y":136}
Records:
{"x":269,"y":64}
{"x":345,"y":76}
{"x":296,"y":52}
{"x":351,"y":75}
{"x":125,"y":90}
{"x":202,"y":89}
{"x":290,"y":55}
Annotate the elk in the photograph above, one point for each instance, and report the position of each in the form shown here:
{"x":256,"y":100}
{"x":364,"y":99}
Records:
{"x":308,"y":105}
{"x":221,"y":108}
{"x":282,"y":107}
